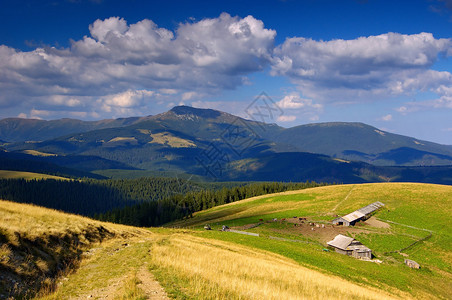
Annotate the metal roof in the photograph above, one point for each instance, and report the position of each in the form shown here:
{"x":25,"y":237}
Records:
{"x":370,"y":208}
{"x":353,"y":216}
{"x":362,"y":212}
{"x":341,"y":241}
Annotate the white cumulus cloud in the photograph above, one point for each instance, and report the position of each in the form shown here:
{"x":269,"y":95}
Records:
{"x":294,"y":101}
{"x":298,"y":108}
{"x":286,"y":118}
{"x":386,"y":118}
{"x":127,"y":99}
{"x":116,"y":58}
{"x":362,"y":69}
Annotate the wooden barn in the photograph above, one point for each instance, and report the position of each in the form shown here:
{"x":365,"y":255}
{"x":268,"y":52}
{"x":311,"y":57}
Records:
{"x":358,"y":215}
{"x":351,"y":247}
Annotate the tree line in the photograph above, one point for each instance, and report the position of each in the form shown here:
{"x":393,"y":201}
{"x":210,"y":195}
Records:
{"x":176,"y":207}
{"x":145,"y":202}
{"x":89,"y":197}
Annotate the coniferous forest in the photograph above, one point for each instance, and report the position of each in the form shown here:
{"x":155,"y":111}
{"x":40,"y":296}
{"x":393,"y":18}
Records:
{"x":139,"y":202}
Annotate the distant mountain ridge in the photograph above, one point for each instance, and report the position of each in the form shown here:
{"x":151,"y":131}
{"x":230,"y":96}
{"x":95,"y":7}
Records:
{"x":20,"y":130}
{"x":194,"y":141}
{"x":358,"y":141}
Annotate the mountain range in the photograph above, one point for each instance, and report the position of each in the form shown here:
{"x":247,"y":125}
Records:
{"x":20,"y":130}
{"x":221,"y":146}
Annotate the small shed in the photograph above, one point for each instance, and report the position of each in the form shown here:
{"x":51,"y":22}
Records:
{"x":412,"y":264}
{"x":349,"y":246}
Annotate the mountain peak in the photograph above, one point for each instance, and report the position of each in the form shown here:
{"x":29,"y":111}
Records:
{"x":339,"y":124}
{"x":193,"y":111}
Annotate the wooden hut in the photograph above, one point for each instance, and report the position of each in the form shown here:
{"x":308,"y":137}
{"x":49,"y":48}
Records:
{"x":412,"y":264}
{"x":351,"y":247}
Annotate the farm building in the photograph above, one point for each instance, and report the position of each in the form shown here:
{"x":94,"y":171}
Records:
{"x":358,"y":215}
{"x":349,"y":246}
{"x":412,"y":264}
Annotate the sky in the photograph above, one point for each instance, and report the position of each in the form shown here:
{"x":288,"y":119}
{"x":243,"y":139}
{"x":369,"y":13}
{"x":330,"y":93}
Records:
{"x":384,"y":63}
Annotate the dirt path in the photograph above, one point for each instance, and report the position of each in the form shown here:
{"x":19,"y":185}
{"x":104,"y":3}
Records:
{"x":150,"y":286}
{"x":115,"y":269}
{"x":345,"y":199}
{"x":107,"y":292}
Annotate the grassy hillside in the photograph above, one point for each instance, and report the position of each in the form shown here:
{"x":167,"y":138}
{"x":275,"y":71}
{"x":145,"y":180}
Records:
{"x":199,"y":268}
{"x":121,"y":262}
{"x":412,"y":212}
{"x":37,"y":245}
{"x":4,"y":174}
{"x":61,"y":256}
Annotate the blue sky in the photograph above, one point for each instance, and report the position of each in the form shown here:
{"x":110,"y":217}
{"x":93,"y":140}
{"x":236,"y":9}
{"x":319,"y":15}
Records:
{"x":384,"y":63}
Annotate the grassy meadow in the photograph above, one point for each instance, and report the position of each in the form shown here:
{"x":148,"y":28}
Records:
{"x":287,"y":260}
{"x":200,"y":268}
{"x":417,"y":211}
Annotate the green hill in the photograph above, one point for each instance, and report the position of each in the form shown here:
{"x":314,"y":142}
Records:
{"x":52,"y":255}
{"x":358,"y":141}
{"x":412,"y":212}
{"x":100,"y":260}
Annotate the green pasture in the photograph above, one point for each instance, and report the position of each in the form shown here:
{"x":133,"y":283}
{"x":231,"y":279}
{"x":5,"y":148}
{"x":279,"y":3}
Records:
{"x":414,"y":211}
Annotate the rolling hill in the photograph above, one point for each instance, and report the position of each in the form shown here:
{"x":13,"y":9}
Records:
{"x":284,"y":261}
{"x":416,"y":218}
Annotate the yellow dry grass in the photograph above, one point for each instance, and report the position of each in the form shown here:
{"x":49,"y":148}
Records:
{"x":213,"y":269}
{"x":39,"y":244}
{"x":121,"y":139}
{"x":5,"y":174}
{"x":144,"y":131}
{"x":34,"y":221}
{"x":110,"y":270}
{"x":166,"y":138}
{"x":38,"y":153}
